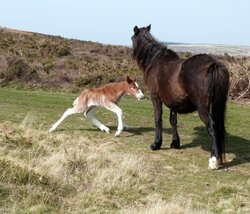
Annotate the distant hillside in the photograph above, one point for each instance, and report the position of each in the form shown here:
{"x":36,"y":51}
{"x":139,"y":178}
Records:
{"x":232,"y":50}
{"x":37,"y":60}
{"x":33,"y":60}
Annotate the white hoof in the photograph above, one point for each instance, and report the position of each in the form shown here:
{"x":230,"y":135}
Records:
{"x":52,"y":129}
{"x":213,"y":163}
{"x":105,"y":129}
{"x":118,"y":133}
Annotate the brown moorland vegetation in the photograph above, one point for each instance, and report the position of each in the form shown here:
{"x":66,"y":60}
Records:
{"x":33,"y":60}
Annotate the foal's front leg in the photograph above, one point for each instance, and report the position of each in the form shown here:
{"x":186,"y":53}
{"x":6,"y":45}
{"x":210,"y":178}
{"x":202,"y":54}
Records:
{"x":114,"y":108}
{"x":157,"y":103}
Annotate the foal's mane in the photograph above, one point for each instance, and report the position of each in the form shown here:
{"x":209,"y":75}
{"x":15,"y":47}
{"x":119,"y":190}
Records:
{"x":149,"y":50}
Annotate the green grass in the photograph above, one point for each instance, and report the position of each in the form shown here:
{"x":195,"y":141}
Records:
{"x":79,"y":169}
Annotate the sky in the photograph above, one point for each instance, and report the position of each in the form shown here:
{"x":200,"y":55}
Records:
{"x":112,"y":21}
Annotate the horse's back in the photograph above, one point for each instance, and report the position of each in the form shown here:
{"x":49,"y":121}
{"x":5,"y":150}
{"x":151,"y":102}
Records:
{"x":197,"y":63}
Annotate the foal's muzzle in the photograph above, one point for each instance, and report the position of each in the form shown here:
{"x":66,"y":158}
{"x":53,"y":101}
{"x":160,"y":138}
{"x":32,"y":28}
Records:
{"x":140,"y":96}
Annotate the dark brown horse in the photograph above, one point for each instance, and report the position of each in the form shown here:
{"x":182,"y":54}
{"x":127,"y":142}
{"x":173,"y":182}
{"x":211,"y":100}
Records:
{"x":199,"y":83}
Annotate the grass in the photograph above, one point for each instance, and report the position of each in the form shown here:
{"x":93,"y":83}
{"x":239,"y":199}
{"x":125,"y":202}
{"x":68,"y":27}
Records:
{"x":79,"y":169}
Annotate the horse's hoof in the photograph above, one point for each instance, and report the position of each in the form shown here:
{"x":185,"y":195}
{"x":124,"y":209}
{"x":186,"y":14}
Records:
{"x":154,"y":146}
{"x":51,"y":130}
{"x":117,"y":133}
{"x":104,"y":129}
{"x":175,"y":144}
{"x":213,"y":163}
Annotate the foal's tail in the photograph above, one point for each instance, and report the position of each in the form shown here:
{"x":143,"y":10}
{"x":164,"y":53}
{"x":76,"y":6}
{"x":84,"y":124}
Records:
{"x":75,"y":102}
{"x":218,"y":80}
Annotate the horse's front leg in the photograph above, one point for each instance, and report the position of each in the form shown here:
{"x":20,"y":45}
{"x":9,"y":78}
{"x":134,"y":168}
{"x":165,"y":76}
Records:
{"x":157,"y":103}
{"x":173,"y":121}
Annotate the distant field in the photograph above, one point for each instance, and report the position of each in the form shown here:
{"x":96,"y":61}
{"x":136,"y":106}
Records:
{"x":232,"y":50}
{"x":79,"y":169}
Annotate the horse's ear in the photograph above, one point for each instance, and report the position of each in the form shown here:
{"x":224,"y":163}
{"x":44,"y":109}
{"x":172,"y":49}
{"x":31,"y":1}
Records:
{"x":136,"y":30}
{"x":149,"y":27}
{"x":129,"y":80}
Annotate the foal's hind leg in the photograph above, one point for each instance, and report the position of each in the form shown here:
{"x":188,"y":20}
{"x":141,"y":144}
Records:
{"x":173,"y":121}
{"x":207,"y":119}
{"x":90,"y":116}
{"x":68,"y":112}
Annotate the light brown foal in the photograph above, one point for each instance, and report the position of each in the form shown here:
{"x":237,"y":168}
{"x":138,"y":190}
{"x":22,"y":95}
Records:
{"x":107,"y":96}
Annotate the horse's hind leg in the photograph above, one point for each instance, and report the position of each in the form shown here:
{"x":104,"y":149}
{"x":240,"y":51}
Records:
{"x":207,"y":119}
{"x":68,"y":112}
{"x":90,"y":116}
{"x":173,"y":121}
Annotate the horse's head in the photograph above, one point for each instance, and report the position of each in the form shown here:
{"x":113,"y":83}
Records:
{"x":133,"y":88}
{"x":139,"y":35}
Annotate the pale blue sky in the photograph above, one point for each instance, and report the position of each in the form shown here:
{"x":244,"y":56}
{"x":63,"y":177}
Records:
{"x":112,"y":21}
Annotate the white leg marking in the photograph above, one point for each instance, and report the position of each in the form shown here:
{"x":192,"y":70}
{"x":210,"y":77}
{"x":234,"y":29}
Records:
{"x":114,"y":108}
{"x":213,"y":163}
{"x":120,"y":123}
{"x":90,"y":115}
{"x":68,"y":112}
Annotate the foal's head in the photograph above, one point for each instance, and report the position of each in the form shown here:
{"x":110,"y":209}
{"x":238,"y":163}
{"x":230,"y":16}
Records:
{"x":133,"y":88}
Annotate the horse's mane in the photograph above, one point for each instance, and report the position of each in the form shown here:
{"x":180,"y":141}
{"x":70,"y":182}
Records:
{"x":149,"y":50}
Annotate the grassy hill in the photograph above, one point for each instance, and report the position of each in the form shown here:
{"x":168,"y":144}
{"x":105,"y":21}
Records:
{"x":33,"y":60}
{"x":79,"y":169}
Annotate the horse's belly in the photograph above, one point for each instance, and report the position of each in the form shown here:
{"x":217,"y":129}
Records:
{"x":181,"y":107}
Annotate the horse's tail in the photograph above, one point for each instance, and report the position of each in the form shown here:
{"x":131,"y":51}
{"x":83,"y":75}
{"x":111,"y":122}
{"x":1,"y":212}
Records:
{"x":218,"y":83}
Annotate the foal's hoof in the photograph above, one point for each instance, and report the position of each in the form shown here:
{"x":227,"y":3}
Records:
{"x":175,"y":144}
{"x":154,"y":146}
{"x":117,"y":133}
{"x":104,"y":129}
{"x":52,"y":129}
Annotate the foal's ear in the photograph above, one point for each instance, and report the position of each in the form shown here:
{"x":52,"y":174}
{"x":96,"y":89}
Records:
{"x":129,"y":81}
{"x":136,"y":30}
{"x":149,"y":27}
